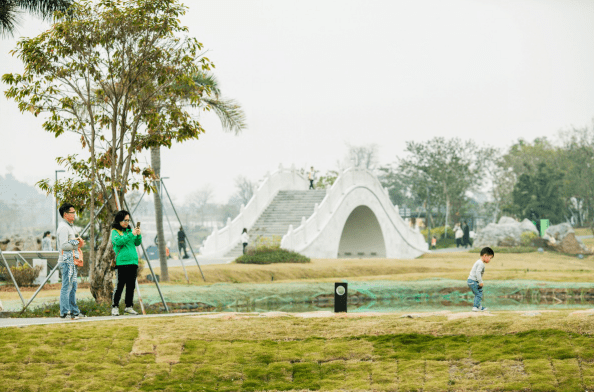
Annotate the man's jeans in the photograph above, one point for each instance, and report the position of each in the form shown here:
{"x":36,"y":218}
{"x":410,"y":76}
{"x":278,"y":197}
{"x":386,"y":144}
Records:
{"x":477,"y":291}
{"x":68,"y":291}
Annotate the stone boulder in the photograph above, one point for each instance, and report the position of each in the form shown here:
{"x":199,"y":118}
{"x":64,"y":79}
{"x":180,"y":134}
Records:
{"x":562,"y":238}
{"x":18,"y":243}
{"x":508,"y":232}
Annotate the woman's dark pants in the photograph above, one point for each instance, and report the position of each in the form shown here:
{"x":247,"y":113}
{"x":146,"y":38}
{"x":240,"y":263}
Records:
{"x":126,"y":277}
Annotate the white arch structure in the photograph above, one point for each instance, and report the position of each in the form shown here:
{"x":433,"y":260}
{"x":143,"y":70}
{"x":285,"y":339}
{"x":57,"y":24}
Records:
{"x":355,"y":219}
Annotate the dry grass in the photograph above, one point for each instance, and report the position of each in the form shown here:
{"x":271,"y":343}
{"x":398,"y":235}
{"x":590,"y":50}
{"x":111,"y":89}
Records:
{"x":532,"y":266}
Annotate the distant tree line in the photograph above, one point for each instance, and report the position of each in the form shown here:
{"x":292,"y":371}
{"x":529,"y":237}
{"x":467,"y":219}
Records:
{"x":533,"y":180}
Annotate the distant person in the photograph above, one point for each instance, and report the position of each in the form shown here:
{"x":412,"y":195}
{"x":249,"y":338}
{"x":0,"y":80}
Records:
{"x":311,"y":177}
{"x":244,"y":239}
{"x":46,"y":242}
{"x":466,"y":236}
{"x":125,"y":241}
{"x":458,"y":234}
{"x":181,"y":242}
{"x":475,"y":279}
{"x":433,"y":243}
{"x":69,"y":244}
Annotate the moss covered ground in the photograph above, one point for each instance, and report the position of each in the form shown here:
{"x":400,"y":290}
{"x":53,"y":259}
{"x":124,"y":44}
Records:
{"x":548,"y":351}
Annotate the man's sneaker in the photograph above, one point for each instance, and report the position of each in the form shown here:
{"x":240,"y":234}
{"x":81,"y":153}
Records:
{"x":115,"y":311}
{"x":65,"y":315}
{"x":483,"y":309}
{"x":75,"y":317}
{"x":475,"y":309}
{"x":130,"y":310}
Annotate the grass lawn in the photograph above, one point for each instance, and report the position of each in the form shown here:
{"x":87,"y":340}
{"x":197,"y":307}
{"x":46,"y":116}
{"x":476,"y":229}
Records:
{"x":534,"y":351}
{"x":547,"y":351}
{"x":545,"y":266}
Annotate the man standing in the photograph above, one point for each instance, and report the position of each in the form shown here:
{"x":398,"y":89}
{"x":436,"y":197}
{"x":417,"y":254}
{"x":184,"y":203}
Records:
{"x":466,"y":236}
{"x":68,"y":245}
{"x":181,"y":242}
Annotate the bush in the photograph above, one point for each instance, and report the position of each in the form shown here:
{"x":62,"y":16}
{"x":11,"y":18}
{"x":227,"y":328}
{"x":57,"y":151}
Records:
{"x":264,"y":255}
{"x":438,"y":232}
{"x":264,"y":243}
{"x":527,"y":238}
{"x":24,"y":275}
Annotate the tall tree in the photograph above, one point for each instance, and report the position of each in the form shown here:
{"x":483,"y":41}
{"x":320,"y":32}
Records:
{"x":523,"y":157}
{"x":232,"y":119}
{"x":10,"y":11}
{"x":245,"y":190}
{"x":446,"y":168}
{"x":538,"y":195}
{"x":110,"y":72}
{"x":576,"y":158}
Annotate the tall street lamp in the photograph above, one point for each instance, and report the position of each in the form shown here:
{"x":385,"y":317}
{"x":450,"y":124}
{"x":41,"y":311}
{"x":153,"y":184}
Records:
{"x":56,"y":197}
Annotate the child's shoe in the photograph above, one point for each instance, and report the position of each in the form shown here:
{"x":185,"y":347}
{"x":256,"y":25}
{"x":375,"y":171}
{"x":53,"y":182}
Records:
{"x":475,"y":309}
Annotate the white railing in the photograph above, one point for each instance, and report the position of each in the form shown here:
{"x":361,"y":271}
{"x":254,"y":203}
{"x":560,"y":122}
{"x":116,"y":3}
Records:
{"x":220,"y":242}
{"x":299,"y":238}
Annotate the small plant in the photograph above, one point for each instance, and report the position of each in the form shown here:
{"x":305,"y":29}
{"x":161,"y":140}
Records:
{"x":265,"y":243}
{"x":527,"y":238}
{"x":24,"y":276}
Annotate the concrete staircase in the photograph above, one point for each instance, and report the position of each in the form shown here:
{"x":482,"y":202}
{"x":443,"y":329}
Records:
{"x":287,"y":208}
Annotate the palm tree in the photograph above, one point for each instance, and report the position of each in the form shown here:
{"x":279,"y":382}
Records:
{"x":10,"y":11}
{"x":232,"y":120}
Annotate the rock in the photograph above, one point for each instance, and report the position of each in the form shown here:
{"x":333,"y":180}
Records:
{"x":506,"y":220}
{"x":562,"y":238}
{"x":527,"y":225}
{"x":17,"y":243}
{"x":508,"y":232}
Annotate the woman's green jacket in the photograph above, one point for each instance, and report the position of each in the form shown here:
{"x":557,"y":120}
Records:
{"x":125,"y":243}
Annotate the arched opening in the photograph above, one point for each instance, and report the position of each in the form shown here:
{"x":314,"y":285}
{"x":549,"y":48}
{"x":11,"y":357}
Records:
{"x":362,"y":235}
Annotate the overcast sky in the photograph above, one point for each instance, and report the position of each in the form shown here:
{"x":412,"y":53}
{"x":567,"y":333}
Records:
{"x":313,"y":76}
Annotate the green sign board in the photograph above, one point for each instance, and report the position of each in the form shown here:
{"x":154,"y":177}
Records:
{"x":544,"y":225}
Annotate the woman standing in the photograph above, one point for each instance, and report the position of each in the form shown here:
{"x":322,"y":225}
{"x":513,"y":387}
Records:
{"x":244,"y":239}
{"x":124,"y":242}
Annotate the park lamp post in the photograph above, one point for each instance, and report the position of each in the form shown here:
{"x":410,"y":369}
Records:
{"x":56,"y":197}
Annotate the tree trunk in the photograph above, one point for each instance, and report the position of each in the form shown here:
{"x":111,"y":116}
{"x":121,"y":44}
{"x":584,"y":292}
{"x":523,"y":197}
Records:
{"x":156,"y":165}
{"x":102,"y":284}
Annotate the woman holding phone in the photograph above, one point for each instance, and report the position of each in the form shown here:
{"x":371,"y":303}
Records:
{"x":125,"y":241}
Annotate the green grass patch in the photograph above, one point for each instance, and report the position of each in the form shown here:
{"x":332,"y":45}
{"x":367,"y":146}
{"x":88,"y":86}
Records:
{"x":271,"y":256}
{"x":277,"y":355}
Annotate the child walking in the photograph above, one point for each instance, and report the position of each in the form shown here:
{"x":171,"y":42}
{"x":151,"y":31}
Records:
{"x":475,"y":279}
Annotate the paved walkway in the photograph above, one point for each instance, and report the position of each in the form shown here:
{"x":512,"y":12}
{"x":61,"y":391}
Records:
{"x":23,"y":322}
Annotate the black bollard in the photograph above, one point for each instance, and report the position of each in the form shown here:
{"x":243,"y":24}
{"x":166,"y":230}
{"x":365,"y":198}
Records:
{"x":340,"y":297}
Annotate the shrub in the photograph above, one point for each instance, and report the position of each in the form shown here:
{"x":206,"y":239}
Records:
{"x":438,"y":232}
{"x":24,"y":275}
{"x":271,"y":255}
{"x":264,"y":243}
{"x":527,"y":238}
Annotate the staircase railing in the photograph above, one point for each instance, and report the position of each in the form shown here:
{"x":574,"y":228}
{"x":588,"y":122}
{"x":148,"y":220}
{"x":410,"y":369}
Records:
{"x":221,"y":241}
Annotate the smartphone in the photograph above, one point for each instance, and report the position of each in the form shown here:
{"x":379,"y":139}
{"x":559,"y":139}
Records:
{"x":138,"y":225}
